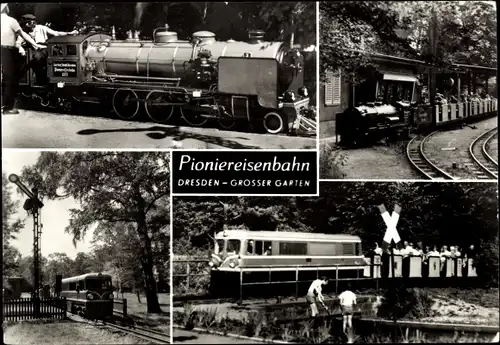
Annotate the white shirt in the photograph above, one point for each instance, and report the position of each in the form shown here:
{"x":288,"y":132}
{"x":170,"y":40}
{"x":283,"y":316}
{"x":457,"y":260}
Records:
{"x":347,"y":298}
{"x":10,"y":28}
{"x":316,"y":286}
{"x":40,"y":34}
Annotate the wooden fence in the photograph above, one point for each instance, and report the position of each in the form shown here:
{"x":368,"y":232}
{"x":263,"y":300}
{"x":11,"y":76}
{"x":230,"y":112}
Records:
{"x":15,"y":309}
{"x":185,"y":272}
{"x":123,"y":303}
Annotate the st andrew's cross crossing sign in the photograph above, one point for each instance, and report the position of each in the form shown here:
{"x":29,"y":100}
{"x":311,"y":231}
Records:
{"x":390,"y":221}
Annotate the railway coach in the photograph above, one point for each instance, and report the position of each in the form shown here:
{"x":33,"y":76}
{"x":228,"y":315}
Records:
{"x":89,"y":295}
{"x":255,"y":82}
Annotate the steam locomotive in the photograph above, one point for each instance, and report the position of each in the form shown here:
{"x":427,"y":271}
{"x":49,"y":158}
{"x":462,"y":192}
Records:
{"x":257,"y":82}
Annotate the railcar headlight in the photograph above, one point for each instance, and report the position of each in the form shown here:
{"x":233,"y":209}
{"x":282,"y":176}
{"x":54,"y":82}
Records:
{"x":90,"y":296}
{"x":232,"y":264}
{"x":303,"y":91}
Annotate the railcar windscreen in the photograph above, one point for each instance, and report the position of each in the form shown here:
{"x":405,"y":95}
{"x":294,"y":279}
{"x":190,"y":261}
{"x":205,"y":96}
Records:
{"x":98,"y":284}
{"x":233,"y":246}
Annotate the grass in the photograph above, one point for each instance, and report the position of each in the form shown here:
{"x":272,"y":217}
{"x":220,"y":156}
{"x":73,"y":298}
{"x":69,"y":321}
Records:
{"x":63,"y":333}
{"x":487,"y":298}
{"x":137,"y":312}
{"x":331,"y":160}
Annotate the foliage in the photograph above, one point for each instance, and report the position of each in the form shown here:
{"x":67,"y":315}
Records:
{"x":331,"y":160}
{"x":347,"y":27}
{"x":465,"y":32}
{"x":112,"y":188}
{"x":280,"y":19}
{"x":401,"y":302}
{"x":10,"y":228}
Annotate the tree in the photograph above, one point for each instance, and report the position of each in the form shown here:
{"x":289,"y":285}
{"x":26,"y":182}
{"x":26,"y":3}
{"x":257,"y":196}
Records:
{"x":111,"y":187}
{"x":351,"y":30}
{"x":57,"y":263}
{"x":10,"y":228}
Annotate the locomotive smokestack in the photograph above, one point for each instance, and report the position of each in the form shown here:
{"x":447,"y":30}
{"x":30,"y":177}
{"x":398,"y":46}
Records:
{"x":256,"y":36}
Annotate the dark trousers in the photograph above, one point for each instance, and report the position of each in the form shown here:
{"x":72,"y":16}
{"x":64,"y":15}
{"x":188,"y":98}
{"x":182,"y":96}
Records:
{"x":39,"y":65}
{"x":10,"y":59}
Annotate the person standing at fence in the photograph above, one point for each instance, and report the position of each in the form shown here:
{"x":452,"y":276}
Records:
{"x":10,"y":59}
{"x":314,"y":294}
{"x":347,"y":303}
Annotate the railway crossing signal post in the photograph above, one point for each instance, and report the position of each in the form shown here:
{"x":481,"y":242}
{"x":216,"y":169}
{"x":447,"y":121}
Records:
{"x":391,"y":233}
{"x":34,"y":205}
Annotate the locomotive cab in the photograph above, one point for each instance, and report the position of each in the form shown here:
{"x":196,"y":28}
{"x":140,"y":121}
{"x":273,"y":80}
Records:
{"x":67,"y":62}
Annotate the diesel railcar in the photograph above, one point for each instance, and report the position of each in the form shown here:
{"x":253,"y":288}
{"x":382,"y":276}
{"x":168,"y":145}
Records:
{"x":89,"y":295}
{"x":270,"y":262}
{"x":259,"y":258}
{"x":258,"y":82}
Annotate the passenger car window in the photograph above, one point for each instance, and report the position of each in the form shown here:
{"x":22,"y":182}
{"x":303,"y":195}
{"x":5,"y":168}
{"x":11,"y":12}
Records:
{"x":293,"y":248}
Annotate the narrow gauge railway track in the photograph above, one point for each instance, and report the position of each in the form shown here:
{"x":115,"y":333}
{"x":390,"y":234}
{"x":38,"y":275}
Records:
{"x":416,"y":156}
{"x":478,"y":149}
{"x":155,"y":337}
{"x":146,"y":334}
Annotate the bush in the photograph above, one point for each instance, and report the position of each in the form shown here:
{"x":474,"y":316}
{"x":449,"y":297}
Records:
{"x":486,"y":263}
{"x":401,"y":302}
{"x":331,"y":159}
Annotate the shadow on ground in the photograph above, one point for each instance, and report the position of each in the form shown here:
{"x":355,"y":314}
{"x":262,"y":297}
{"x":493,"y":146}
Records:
{"x":161,"y":132}
{"x":183,"y":338}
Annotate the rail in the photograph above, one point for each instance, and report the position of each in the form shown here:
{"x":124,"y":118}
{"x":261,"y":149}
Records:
{"x":296,"y":281}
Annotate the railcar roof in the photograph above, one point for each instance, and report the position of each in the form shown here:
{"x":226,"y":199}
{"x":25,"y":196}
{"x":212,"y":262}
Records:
{"x":85,"y":276}
{"x":76,"y":39}
{"x":244,"y":234}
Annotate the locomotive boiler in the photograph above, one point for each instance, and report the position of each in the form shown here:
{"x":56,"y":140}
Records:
{"x":258,"y":82}
{"x":360,"y":124}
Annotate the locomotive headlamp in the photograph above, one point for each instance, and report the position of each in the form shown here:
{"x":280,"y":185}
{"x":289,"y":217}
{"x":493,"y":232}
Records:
{"x":303,"y":91}
{"x":90,"y":296}
{"x":232,"y":264}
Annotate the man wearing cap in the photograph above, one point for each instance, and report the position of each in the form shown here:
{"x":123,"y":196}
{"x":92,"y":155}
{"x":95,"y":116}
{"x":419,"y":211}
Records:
{"x":40,"y":33}
{"x":10,"y":30}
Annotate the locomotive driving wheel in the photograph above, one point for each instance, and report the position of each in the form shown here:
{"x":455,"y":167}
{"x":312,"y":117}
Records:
{"x":193,"y":118}
{"x":274,"y":123}
{"x":157,"y":106}
{"x":126,"y":103}
{"x":226,"y":120}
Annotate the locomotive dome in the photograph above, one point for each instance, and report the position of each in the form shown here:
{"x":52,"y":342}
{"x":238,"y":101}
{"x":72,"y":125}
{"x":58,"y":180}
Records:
{"x":165,"y":36}
{"x":204,"y":37}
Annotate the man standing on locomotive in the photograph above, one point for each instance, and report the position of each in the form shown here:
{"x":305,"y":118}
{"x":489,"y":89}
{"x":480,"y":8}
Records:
{"x":40,"y":33}
{"x":314,"y":294}
{"x":10,"y":30}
